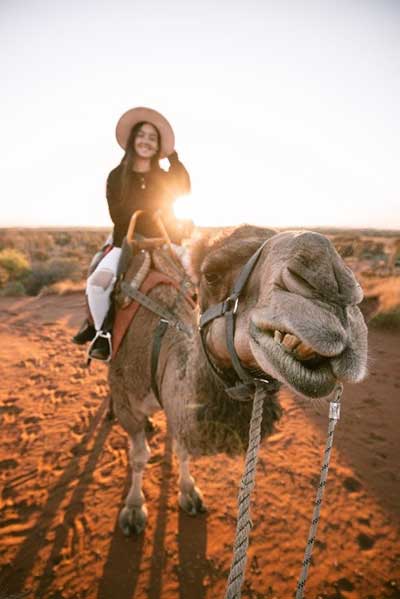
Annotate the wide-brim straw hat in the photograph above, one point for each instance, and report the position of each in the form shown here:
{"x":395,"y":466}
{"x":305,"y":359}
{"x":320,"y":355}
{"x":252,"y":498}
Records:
{"x":137,"y":115}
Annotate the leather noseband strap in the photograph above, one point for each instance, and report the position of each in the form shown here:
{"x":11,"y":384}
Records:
{"x":244,"y":385}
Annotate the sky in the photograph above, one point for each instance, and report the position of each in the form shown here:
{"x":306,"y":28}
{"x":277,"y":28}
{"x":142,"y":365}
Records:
{"x":286,"y":113}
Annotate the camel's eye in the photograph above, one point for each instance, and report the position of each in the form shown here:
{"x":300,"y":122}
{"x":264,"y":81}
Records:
{"x":212,"y":278}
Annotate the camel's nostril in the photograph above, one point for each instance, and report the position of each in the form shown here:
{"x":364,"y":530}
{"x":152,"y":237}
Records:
{"x":294,"y":283}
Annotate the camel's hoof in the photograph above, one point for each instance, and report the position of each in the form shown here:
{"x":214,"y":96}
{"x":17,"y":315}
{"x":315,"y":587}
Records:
{"x":132,"y":521}
{"x":192,"y":503}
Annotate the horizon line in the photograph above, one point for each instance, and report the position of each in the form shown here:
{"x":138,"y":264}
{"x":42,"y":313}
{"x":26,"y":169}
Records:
{"x":279,"y":228}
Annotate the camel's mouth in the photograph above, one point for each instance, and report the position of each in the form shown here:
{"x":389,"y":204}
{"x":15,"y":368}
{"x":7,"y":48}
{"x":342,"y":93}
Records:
{"x":292,"y":361}
{"x":291,"y":344}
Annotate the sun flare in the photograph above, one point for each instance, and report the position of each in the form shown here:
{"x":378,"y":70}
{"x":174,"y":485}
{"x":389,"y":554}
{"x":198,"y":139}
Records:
{"x":227,"y":208}
{"x":203,"y":211}
{"x":219,"y":210}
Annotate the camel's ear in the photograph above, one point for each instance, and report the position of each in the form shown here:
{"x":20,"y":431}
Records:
{"x":198,"y":247}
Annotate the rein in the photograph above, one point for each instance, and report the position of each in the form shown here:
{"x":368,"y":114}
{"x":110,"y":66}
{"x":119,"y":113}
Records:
{"x":244,"y":523}
{"x":244,"y":381}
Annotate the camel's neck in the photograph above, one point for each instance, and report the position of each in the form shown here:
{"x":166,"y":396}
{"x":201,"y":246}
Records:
{"x":217,"y":422}
{"x":205,"y":418}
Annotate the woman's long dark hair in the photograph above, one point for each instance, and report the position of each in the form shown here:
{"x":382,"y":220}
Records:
{"x":129,"y":157}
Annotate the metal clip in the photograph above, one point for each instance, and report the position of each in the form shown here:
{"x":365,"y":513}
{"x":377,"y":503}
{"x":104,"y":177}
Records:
{"x":334,"y":410}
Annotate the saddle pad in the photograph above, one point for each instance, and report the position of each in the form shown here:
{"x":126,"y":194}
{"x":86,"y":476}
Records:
{"x":168,"y":263}
{"x":124,"y":316}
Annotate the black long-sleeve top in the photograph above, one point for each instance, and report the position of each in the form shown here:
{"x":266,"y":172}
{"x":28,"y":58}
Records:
{"x":155,"y":190}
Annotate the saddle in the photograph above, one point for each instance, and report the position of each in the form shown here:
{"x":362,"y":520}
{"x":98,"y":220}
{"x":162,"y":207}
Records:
{"x":144,"y":264}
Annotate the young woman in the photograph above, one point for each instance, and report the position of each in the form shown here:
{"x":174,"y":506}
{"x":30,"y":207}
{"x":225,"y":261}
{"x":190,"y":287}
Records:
{"x":138,"y":183}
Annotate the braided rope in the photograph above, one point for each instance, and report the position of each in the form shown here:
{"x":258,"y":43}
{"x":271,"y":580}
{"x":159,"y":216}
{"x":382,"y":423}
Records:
{"x":244,"y":523}
{"x":334,"y":414}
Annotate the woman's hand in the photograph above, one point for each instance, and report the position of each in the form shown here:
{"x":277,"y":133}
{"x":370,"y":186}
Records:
{"x":173,"y":158}
{"x":178,"y":177}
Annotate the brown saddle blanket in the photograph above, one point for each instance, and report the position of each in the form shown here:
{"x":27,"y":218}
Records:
{"x":125,"y":315}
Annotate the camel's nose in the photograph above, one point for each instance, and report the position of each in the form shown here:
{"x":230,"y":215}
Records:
{"x":315,"y":269}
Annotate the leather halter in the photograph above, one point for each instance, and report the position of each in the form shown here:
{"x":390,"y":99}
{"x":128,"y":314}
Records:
{"x":242,"y":385}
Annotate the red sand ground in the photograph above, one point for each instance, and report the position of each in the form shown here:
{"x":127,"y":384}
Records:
{"x":63,"y":472}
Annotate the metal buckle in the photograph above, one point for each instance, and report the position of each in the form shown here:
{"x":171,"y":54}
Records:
{"x":227,"y":305}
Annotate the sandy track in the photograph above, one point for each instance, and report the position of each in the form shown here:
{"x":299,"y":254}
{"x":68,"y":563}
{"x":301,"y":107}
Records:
{"x":63,"y":475}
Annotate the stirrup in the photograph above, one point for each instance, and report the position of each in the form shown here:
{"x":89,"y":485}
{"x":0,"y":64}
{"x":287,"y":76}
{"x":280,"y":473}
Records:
{"x":105,"y":335}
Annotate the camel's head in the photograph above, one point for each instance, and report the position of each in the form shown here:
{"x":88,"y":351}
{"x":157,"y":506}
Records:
{"x":298,"y":319}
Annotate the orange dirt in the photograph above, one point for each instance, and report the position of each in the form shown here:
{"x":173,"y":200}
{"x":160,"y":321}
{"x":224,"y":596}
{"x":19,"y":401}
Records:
{"x":63,"y":473}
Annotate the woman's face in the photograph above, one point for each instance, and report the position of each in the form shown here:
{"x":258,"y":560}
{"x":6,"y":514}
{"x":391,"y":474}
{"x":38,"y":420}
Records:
{"x":146,"y":142}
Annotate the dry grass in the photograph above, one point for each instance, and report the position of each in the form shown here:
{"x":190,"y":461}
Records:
{"x":63,"y":288}
{"x":386,"y":289}
{"x":386,"y":292}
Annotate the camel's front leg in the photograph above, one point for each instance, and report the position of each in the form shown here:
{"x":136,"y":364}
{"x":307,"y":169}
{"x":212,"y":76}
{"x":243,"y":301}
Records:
{"x":133,"y":516}
{"x":190,"y":497}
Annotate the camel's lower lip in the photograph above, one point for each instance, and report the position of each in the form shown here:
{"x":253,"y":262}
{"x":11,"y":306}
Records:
{"x":315,"y":381}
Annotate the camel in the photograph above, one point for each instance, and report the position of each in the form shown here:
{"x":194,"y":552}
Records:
{"x":297,"y":324}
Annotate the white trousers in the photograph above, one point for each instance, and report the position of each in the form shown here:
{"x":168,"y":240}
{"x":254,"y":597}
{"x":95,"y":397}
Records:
{"x":100,"y":285}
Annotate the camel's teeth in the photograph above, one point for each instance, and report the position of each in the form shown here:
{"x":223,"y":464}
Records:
{"x":290,"y":341}
{"x":278,"y":336}
{"x":305,"y":352}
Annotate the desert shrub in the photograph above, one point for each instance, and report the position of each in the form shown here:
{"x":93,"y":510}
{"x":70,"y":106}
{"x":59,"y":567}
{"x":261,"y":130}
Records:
{"x":40,"y":255}
{"x":390,"y":319}
{"x":64,"y":268}
{"x":93,"y":246}
{"x":76,"y":254}
{"x":4,"y":277}
{"x":53,"y":271}
{"x":39,"y":277}
{"x":62,"y":238}
{"x":7,"y":239}
{"x":13,"y":288}
{"x":15,"y":263}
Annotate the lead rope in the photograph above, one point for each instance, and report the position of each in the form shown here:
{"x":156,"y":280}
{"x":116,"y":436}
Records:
{"x":244,"y":524}
{"x":334,"y":415}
